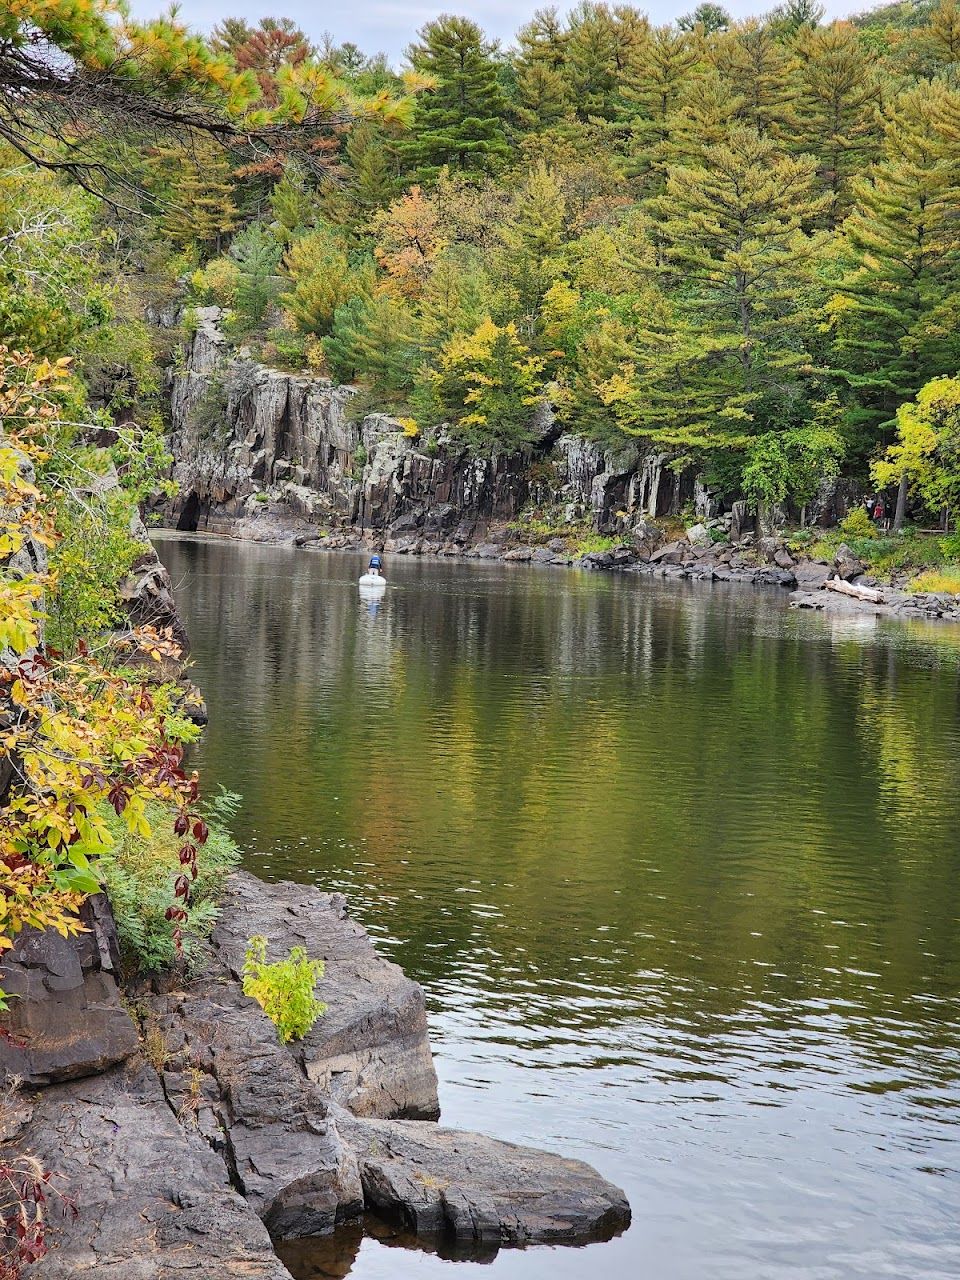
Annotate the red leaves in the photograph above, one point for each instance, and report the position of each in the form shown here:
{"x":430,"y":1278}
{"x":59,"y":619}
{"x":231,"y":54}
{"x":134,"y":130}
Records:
{"x":118,"y":796}
{"x":200,"y":831}
{"x":25,"y":1188}
{"x":181,"y":826}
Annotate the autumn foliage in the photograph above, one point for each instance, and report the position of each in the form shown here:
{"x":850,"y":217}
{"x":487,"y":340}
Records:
{"x":78,"y":733}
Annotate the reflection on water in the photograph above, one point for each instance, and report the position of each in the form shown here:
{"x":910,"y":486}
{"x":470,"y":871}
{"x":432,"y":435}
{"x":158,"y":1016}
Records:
{"x":677,"y":867}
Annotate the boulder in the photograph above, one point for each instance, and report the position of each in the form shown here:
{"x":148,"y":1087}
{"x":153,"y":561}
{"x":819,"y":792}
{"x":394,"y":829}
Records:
{"x":811,"y":574}
{"x":847,"y":564}
{"x":370,"y":1051}
{"x":699,"y":535}
{"x":153,"y":1201}
{"x":66,"y":1020}
{"x":226,"y":1074}
{"x":597,"y":560}
{"x":671,"y":553}
{"x":478,"y":1190}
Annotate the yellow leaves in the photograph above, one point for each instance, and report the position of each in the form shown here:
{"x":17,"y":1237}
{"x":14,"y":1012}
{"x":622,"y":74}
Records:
{"x":410,"y":427}
{"x":82,"y":735}
{"x":19,"y":622}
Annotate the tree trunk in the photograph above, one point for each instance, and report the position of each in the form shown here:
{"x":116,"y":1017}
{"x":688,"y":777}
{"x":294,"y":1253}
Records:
{"x":901,"y":510}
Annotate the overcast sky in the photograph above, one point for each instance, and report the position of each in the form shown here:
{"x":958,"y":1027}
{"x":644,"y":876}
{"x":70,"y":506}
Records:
{"x":389,"y":25}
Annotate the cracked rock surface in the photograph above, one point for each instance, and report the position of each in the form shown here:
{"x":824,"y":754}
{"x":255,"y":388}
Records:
{"x":153,"y":1200}
{"x":190,"y":1165}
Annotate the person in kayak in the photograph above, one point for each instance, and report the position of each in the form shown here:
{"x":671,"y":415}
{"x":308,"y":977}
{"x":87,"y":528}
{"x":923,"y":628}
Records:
{"x":375,"y":566}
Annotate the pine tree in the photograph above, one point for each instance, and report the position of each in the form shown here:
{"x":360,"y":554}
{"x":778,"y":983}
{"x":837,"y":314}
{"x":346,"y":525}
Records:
{"x":733,"y":231}
{"x":319,"y":272}
{"x":374,"y":166}
{"x":531,"y":239}
{"x":943,"y":34}
{"x":376,"y":340}
{"x":293,"y":205}
{"x":602,"y":42}
{"x":542,"y":82}
{"x":455,"y":298}
{"x":762,"y":71}
{"x":257,"y":255}
{"x":704,"y":110}
{"x":708,"y":17}
{"x":459,"y":122}
{"x":892,"y":318}
{"x":542,"y":100}
{"x":839,"y":95}
{"x":652,"y":87}
{"x":195,"y":194}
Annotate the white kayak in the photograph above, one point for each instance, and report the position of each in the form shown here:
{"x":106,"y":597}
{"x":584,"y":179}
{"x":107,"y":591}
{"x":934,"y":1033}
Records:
{"x":372,"y":580}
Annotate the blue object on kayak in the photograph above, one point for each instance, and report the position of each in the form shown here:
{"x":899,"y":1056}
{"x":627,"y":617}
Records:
{"x":374,"y":562}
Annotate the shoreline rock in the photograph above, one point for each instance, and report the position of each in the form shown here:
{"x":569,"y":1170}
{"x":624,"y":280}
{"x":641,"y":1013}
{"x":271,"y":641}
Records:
{"x":736,"y":563}
{"x":225,"y":1139}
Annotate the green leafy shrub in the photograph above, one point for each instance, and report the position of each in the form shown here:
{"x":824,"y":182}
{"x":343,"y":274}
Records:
{"x":284,"y":989}
{"x":138,"y":874}
{"x":858,"y":525}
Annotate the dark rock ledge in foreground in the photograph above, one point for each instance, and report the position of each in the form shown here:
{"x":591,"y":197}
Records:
{"x":190,"y":1162}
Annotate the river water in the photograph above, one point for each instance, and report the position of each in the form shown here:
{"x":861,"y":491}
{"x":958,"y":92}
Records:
{"x":678,"y":868}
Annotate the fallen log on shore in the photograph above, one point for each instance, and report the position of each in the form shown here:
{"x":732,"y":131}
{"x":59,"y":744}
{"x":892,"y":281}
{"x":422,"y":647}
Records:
{"x":871,"y":594}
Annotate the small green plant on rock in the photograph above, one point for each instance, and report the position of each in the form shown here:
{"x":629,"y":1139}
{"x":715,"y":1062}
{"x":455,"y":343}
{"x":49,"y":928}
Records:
{"x":284,"y":988}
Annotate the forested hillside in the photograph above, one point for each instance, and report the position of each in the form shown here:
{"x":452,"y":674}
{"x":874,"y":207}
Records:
{"x":737,"y":240}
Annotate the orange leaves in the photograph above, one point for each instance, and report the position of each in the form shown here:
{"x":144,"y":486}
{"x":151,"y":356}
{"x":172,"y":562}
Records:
{"x":408,"y":242}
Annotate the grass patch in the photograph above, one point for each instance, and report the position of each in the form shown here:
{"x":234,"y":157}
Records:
{"x":939,"y":581}
{"x":595,"y":542}
{"x":903,"y":554}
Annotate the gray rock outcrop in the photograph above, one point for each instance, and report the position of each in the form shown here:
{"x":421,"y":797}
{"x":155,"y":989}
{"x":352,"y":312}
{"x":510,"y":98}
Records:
{"x":478,"y":1191}
{"x":274,"y":454}
{"x":191,"y":1161}
{"x":66,"y":1019}
{"x":370,"y":1052}
{"x":153,"y":1201}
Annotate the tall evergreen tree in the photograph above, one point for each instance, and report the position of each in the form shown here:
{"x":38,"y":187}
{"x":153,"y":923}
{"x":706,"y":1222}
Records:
{"x":531,"y":239}
{"x":734,"y":236}
{"x":943,"y":34}
{"x":460,"y":121}
{"x":652,"y":87}
{"x":602,"y":44}
{"x":893,"y":317}
{"x":839,"y":96}
{"x":372,"y":158}
{"x":701,"y":119}
{"x":761,"y":70}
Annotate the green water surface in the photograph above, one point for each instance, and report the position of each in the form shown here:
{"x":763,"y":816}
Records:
{"x":679,"y":869}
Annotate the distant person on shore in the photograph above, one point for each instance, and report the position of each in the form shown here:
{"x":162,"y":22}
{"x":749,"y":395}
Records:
{"x":869,"y":504}
{"x":880,"y":512}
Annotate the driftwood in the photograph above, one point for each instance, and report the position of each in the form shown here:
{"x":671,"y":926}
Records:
{"x":851,"y":589}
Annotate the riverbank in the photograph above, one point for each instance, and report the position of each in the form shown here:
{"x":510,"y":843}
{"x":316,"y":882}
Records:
{"x":764,"y":562}
{"x":186,"y":1136}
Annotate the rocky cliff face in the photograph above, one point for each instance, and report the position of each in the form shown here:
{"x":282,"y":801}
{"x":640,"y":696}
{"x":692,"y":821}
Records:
{"x":260,"y":449}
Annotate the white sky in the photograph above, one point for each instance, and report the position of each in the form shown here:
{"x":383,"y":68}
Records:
{"x":389,"y":25}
